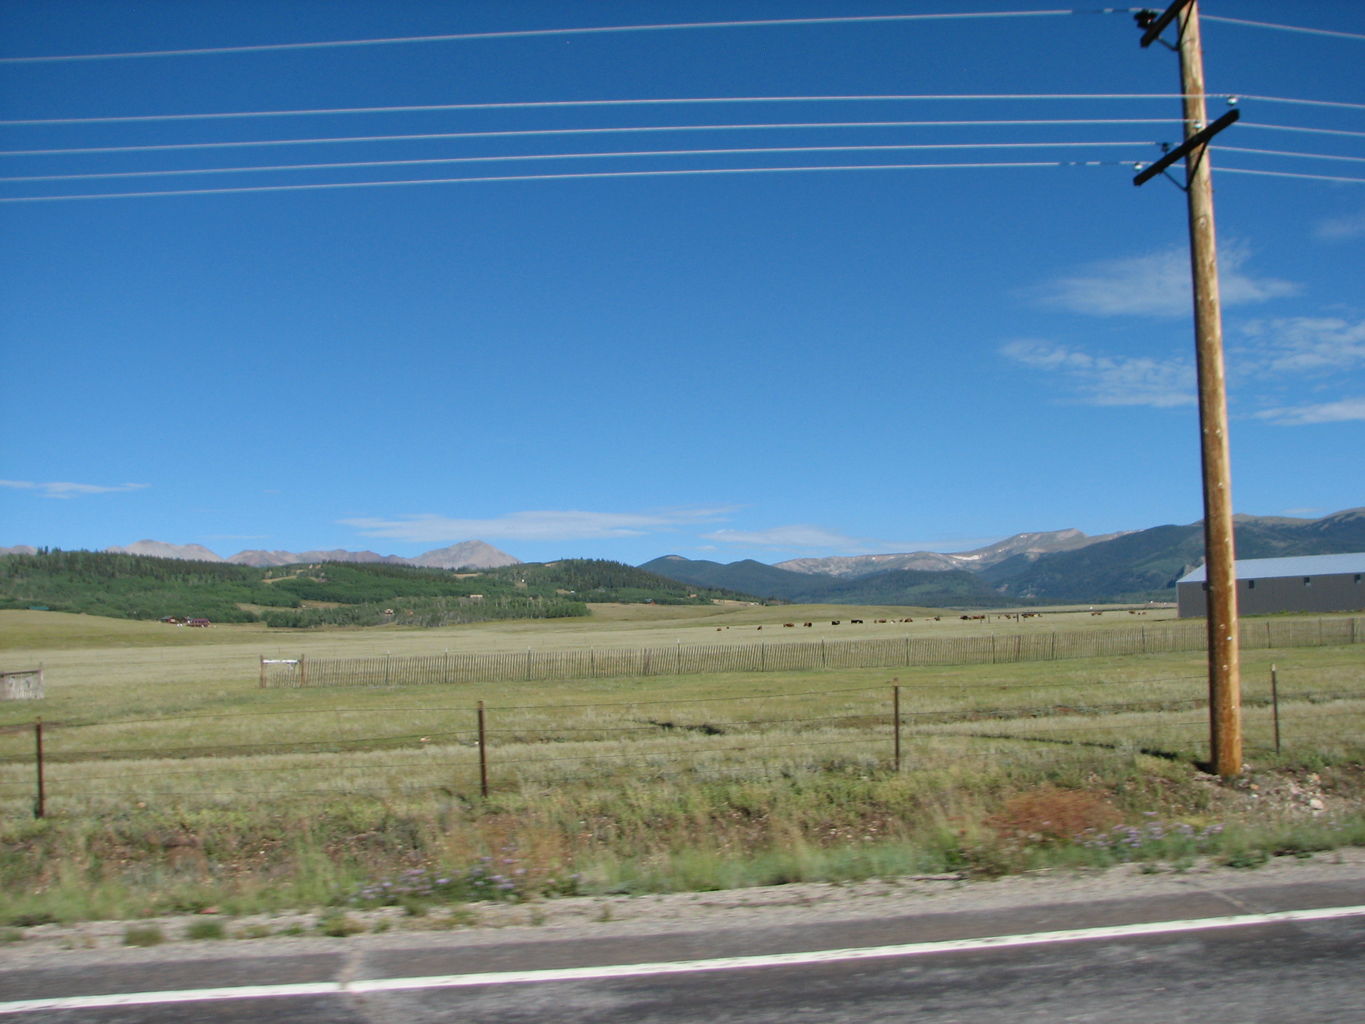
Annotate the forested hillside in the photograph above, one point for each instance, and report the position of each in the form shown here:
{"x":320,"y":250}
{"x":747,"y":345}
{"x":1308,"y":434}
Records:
{"x":1146,"y":564}
{"x":922,"y":587}
{"x":134,"y":586}
{"x":318,"y":594}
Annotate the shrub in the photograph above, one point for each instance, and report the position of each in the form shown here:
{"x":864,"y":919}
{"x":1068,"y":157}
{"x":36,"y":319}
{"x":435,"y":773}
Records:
{"x":206,"y":929}
{"x":143,"y":935}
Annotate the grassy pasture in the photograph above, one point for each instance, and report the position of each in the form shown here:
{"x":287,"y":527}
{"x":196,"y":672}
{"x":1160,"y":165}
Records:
{"x":174,"y":781}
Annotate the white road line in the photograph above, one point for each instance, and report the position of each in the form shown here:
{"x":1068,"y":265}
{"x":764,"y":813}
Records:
{"x":323,"y":988}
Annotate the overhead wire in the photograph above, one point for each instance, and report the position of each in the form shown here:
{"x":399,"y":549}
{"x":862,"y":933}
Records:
{"x":536,"y":132}
{"x":1291,"y":174}
{"x":1282,"y":28}
{"x":542,"y":32}
{"x":582,"y":104}
{"x":609,"y":154}
{"x":658,"y":173}
{"x":1278,"y":152}
{"x":1339,"y":104}
{"x":1298,"y":128}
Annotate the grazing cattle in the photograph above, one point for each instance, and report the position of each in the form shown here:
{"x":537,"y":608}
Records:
{"x":856,"y":622}
{"x":807,"y":624}
{"x":788,"y":625}
{"x":834,"y":622}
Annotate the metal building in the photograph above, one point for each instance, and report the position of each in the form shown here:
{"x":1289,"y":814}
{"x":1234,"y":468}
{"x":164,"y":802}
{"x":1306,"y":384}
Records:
{"x":1306,"y":583}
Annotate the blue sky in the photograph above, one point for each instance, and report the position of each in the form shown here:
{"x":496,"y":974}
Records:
{"x":599,"y":359}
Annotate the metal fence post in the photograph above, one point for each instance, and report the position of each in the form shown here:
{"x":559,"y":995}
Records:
{"x":896,"y":723}
{"x":483,"y":752}
{"x":1275,"y":704}
{"x":40,"y":804}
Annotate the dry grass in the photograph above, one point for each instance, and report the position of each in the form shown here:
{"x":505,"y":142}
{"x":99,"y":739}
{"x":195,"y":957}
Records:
{"x":173,"y":780}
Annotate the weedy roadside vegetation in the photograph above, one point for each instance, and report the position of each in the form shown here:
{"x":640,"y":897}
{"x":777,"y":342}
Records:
{"x":175,"y":785}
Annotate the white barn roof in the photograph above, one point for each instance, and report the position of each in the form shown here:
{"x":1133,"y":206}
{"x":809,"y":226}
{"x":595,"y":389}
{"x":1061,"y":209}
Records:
{"x":1278,"y":568}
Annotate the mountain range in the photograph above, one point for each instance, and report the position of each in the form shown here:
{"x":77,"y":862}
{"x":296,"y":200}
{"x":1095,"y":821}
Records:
{"x":469,"y":554}
{"x":1061,"y":566}
{"x":1064,"y":566}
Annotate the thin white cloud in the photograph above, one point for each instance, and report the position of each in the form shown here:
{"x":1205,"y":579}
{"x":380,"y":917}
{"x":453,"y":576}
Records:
{"x":1344,"y":411}
{"x":1109,"y":380}
{"x":541,"y":525}
{"x":1337,"y":229}
{"x":1306,"y":345}
{"x":794,"y":536}
{"x":1156,"y":284}
{"x":59,"y":489}
{"x":818,"y":538}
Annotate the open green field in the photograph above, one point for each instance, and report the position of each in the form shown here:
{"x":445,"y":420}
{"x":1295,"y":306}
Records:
{"x":173,"y":781}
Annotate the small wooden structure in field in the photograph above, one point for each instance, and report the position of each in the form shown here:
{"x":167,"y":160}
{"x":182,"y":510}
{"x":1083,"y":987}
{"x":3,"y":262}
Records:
{"x":24,"y":685}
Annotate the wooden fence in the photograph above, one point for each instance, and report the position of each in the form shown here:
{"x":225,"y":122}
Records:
{"x":890,"y":652}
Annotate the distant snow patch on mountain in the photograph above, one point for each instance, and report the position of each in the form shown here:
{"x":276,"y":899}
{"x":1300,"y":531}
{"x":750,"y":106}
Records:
{"x":1030,"y":545}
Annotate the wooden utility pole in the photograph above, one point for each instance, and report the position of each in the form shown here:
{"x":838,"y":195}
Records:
{"x":1225,"y":685}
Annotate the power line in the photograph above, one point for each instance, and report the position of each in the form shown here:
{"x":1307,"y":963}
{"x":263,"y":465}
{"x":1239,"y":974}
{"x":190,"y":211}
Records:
{"x":1289,"y":174}
{"x":569,"y":176}
{"x":1284,"y":152}
{"x":542,"y":32}
{"x":1284,"y":28}
{"x":610,"y":154}
{"x":1293,"y":128}
{"x":565,"y":104}
{"x":1286,"y":99}
{"x":534,"y":132}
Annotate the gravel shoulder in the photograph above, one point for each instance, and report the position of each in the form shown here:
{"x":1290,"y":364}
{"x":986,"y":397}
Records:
{"x":569,"y":919}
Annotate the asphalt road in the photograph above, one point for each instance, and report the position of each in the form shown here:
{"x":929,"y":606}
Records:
{"x":1213,"y":951}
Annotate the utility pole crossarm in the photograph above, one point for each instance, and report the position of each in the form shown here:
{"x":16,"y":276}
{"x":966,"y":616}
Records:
{"x":1155,"y":24}
{"x":1181,"y":151}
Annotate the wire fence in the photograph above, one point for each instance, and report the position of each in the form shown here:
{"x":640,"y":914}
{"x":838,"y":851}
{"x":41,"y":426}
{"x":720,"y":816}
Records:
{"x":762,"y":656}
{"x":449,"y":752}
